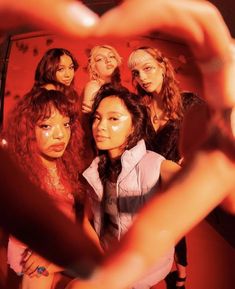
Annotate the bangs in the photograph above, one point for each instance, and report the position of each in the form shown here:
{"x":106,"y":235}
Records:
{"x":44,"y":104}
{"x":136,"y":59}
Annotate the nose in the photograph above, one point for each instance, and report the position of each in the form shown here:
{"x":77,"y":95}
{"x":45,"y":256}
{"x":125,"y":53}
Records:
{"x":142,"y":75}
{"x":59,"y":132}
{"x":102,"y":124}
{"x":68,"y":73}
{"x":107,"y":60}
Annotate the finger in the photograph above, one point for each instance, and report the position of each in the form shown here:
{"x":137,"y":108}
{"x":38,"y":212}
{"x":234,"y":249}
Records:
{"x":197,"y":23}
{"x":29,"y":267}
{"x":69,"y":17}
{"x":183,"y":19}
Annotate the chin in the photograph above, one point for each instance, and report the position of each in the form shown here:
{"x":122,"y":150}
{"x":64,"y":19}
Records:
{"x":102,"y":147}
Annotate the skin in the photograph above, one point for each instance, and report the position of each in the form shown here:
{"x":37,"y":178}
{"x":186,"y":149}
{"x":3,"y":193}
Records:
{"x":198,"y":24}
{"x":69,"y":18}
{"x":112,"y":125}
{"x":105,"y":64}
{"x":65,"y":71}
{"x":52,"y":136}
{"x":147,"y":72}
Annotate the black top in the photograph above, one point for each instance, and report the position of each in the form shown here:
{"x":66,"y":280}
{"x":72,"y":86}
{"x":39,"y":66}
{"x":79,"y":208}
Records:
{"x":165,"y":140}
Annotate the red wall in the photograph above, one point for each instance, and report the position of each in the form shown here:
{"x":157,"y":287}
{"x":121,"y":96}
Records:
{"x":27,"y":50}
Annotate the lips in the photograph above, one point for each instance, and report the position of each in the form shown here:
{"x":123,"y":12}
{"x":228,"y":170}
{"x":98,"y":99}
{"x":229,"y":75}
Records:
{"x":110,"y":66}
{"x":58,"y":147}
{"x":100,"y":138}
{"x":67,"y":81}
{"x":146,"y":85}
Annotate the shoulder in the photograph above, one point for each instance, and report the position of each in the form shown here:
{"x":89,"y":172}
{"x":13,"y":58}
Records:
{"x":49,"y":86}
{"x":92,"y":86}
{"x":168,"y":170}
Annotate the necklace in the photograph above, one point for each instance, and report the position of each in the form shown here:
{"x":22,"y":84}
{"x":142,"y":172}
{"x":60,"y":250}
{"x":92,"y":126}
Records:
{"x":157,"y":114}
{"x":156,"y":118}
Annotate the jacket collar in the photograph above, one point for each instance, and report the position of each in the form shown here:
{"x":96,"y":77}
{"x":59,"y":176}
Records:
{"x":129,"y":160}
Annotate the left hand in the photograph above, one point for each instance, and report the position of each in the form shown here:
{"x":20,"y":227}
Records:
{"x":31,"y":264}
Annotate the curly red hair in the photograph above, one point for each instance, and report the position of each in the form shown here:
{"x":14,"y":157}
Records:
{"x":20,"y":134}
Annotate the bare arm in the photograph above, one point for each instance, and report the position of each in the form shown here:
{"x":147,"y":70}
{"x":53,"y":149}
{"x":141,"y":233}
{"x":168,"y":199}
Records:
{"x":70,"y":18}
{"x":209,"y":177}
{"x":198,"y":23}
{"x":21,"y":207}
{"x":194,"y":192}
{"x":90,"y":91}
{"x":168,"y":170}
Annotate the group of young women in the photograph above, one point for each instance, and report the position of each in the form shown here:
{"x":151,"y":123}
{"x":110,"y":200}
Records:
{"x":136,"y":142}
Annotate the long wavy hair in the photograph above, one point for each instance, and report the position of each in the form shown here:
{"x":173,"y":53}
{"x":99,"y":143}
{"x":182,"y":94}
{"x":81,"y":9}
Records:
{"x":139,"y":121}
{"x":170,"y":92}
{"x":47,"y":67}
{"x":94,"y":74}
{"x":20,"y":134}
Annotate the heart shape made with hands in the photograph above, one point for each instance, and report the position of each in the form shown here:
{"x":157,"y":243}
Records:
{"x":197,"y":23}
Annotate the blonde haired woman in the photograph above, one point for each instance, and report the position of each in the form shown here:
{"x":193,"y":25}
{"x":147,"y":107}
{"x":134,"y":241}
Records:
{"x":103,"y":67}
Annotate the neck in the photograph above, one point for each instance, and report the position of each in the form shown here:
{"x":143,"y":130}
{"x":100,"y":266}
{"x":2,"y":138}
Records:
{"x":105,"y":79}
{"x":49,"y":163}
{"x":157,"y":100}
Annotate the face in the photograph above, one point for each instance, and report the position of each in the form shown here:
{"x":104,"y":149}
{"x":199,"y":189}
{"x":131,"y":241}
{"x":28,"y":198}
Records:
{"x":147,"y":71}
{"x":112,"y":126}
{"x":65,"y":71}
{"x":52,"y":135}
{"x":105,"y":62}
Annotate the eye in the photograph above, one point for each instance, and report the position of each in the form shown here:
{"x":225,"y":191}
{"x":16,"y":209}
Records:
{"x":135,"y":73}
{"x":96,"y":117}
{"x":148,"y":68}
{"x":67,"y":124}
{"x":44,"y":126}
{"x":71,"y":67}
{"x":61,"y":69}
{"x":112,"y":56}
{"x":98,"y":59}
{"x":113,"y":118}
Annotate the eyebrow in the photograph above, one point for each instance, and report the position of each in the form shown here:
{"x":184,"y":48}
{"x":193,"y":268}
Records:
{"x":110,"y":112}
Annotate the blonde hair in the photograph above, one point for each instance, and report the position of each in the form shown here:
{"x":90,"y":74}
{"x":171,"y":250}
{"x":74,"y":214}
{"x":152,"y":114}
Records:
{"x":91,"y":60}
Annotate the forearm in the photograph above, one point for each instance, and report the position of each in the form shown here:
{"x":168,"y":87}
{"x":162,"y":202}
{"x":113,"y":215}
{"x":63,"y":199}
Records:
{"x":21,"y":207}
{"x":195,"y":192}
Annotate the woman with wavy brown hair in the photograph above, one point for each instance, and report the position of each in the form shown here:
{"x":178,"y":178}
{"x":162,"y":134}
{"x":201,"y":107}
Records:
{"x":56,"y":70}
{"x":154,"y":79}
{"x":44,"y":138}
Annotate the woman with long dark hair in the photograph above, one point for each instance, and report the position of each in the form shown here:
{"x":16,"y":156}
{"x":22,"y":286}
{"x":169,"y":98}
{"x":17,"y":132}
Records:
{"x":124,"y":175}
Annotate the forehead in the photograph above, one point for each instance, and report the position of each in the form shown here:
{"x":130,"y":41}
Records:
{"x":65,"y":60}
{"x":52,"y":113}
{"x":140,"y":58}
{"x":103,"y":51}
{"x":112,"y":104}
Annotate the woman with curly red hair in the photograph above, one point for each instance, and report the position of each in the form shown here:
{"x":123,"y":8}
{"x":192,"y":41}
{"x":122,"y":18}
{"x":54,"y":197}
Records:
{"x":44,"y":137}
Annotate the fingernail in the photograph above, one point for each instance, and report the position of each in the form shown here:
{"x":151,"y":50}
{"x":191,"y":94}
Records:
{"x":81,"y":14}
